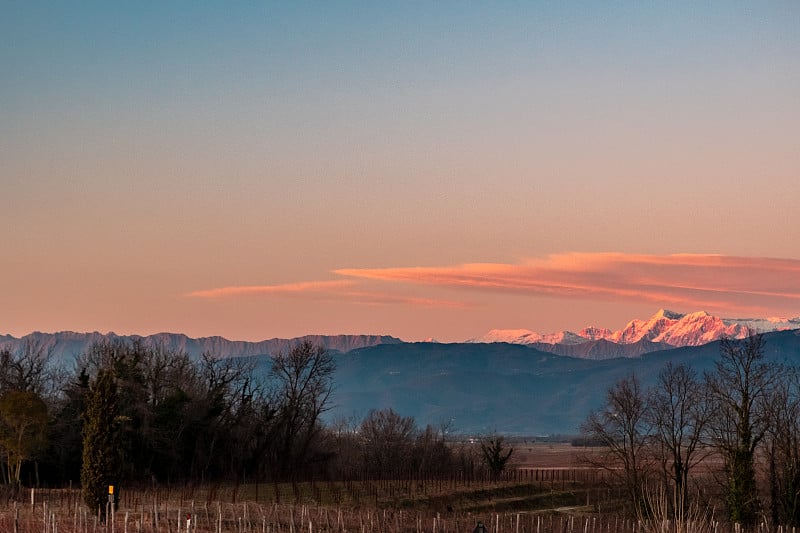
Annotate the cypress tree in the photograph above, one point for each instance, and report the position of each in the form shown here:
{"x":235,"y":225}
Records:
{"x":496,"y":455}
{"x":100,"y":465}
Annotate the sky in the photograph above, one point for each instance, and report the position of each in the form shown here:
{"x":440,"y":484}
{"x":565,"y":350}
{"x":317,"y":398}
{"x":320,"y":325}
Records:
{"x":417,"y":169}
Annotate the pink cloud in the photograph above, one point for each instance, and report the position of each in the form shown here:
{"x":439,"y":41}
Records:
{"x":692,"y":280}
{"x":326,"y":290}
{"x":303,"y":287}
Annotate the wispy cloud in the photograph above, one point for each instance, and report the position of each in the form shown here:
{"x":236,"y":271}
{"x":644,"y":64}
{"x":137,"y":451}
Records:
{"x":344,"y":289}
{"x":303,"y":287}
{"x":692,"y":280}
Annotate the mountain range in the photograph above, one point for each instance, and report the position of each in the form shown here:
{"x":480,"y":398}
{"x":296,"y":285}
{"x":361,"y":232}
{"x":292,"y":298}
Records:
{"x":524,"y":387}
{"x":664,"y":330}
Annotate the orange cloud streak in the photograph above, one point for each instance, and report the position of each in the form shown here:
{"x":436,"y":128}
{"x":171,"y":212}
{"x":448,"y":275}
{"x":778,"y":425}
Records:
{"x":286,"y":288}
{"x":334,"y":289}
{"x":694,"y":280}
{"x":711,"y":282}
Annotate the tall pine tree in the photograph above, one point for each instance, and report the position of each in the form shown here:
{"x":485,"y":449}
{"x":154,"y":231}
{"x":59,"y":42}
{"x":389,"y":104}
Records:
{"x":100,"y":443}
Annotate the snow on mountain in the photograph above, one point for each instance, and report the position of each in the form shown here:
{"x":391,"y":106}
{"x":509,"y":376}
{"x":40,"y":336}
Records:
{"x":650,"y":330}
{"x":665,"y":327}
{"x":767,"y":324}
{"x":699,"y":328}
{"x":526,"y":336}
{"x":593,"y":333}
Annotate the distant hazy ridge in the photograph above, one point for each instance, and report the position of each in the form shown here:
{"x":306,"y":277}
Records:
{"x":67,"y":344}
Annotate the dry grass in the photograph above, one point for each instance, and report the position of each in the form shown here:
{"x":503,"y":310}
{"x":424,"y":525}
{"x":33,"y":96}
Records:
{"x":254,"y":518}
{"x":500,"y":506}
{"x":541,"y":498}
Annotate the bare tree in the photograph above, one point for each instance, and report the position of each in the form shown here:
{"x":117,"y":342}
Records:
{"x":387,"y":439}
{"x":678,"y":413}
{"x":433,"y":455}
{"x":783,"y":449}
{"x":28,"y":369}
{"x":739,"y":392}
{"x":623,"y":427}
{"x":225,"y":396}
{"x":342,"y":438}
{"x":305,"y":382}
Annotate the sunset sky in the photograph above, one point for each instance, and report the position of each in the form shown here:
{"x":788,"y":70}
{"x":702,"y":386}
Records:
{"x":419,"y":169}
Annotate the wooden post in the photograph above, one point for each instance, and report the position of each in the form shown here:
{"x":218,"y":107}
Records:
{"x":111,"y":504}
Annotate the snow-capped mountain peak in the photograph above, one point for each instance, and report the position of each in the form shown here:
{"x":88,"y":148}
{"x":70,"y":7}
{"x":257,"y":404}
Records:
{"x":672,"y":315}
{"x":667,"y":327}
{"x":650,"y":330}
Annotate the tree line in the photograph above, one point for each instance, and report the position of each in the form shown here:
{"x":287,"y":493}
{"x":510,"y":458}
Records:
{"x":740,"y":422}
{"x":131,"y":413}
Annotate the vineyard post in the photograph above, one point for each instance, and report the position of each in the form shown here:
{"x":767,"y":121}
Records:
{"x":111,"y":505}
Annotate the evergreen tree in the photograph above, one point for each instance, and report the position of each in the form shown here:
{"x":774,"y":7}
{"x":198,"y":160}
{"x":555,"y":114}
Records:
{"x":100,"y":446}
{"x":495,"y":455}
